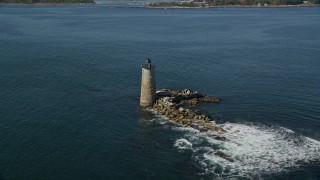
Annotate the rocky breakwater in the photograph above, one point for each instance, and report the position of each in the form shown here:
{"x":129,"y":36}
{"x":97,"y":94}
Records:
{"x":179,"y":106}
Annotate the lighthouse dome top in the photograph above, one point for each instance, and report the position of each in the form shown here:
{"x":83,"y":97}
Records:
{"x":148,"y":64}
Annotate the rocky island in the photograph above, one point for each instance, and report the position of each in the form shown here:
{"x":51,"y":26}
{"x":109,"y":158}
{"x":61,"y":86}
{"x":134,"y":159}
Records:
{"x":180,"y":106}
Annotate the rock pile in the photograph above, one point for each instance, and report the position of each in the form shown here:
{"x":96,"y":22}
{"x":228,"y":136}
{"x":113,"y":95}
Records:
{"x":178,"y":106}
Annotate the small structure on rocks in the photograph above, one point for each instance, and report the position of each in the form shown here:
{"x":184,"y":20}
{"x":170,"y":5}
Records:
{"x":148,"y":84}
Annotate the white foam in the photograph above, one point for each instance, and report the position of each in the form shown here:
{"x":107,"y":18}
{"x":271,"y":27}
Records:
{"x":248,"y":151}
{"x":183,"y":144}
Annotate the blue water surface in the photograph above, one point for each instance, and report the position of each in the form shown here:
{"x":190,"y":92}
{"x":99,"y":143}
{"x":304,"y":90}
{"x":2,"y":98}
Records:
{"x":70,"y":85}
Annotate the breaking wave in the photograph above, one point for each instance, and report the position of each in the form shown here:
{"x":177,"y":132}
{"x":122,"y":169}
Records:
{"x":247,"y":151}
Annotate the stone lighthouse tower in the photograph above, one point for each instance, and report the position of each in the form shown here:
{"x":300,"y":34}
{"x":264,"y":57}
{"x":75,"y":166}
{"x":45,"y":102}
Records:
{"x":148,"y":84}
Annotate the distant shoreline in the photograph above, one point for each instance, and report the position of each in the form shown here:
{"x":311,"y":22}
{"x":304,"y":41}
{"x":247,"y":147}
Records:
{"x":155,"y":6}
{"x":232,"y":6}
{"x":168,"y":7}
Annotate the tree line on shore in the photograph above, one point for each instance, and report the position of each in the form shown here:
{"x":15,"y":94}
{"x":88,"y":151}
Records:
{"x":261,"y":2}
{"x":47,"y":1}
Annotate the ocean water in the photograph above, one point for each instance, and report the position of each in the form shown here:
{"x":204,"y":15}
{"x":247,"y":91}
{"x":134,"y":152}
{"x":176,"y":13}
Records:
{"x":70,"y":84}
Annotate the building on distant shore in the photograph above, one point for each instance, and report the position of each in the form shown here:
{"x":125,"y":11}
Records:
{"x":186,"y":1}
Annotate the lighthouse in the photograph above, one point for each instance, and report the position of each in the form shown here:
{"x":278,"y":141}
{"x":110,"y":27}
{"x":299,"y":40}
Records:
{"x":148,"y":84}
